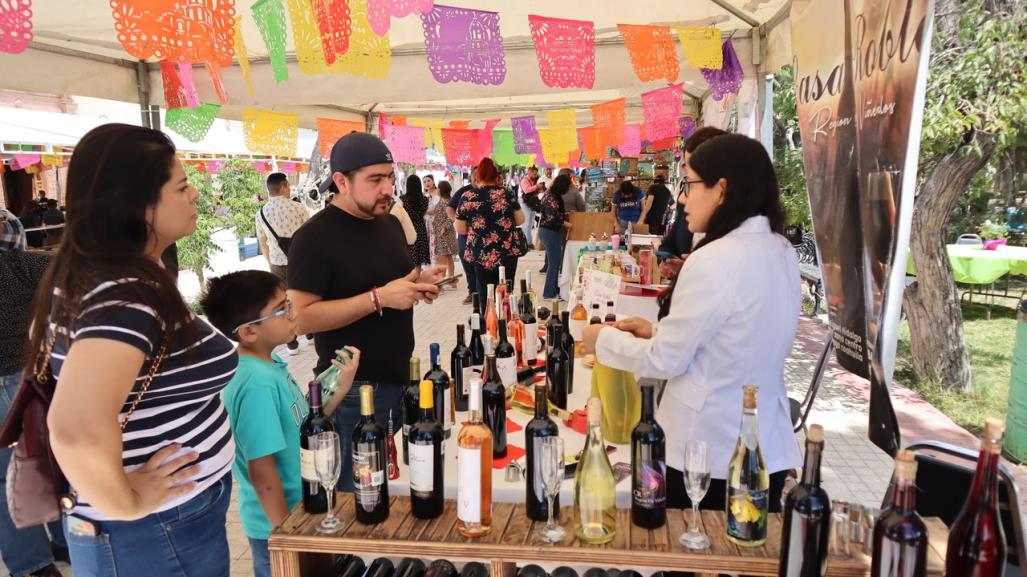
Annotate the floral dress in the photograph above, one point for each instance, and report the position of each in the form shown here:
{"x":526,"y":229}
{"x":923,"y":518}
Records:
{"x":444,"y":232}
{"x":492,"y":234}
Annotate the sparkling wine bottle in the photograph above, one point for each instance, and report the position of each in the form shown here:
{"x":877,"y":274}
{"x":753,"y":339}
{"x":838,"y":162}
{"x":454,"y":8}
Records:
{"x":371,"y":487}
{"x":474,"y":466}
{"x":900,"y":536}
{"x":748,"y":482}
{"x":595,"y":494}
{"x":427,"y":481}
{"x":411,"y":405}
{"x":537,"y":429}
{"x":460,"y":361}
{"x":440,"y":391}
{"x":315,"y":498}
{"x":807,"y":517}
{"x":977,"y":542}
{"x":648,"y":467}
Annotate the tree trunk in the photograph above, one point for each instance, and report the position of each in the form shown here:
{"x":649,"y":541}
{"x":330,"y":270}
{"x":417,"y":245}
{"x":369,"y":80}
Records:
{"x":1005,"y":176}
{"x":932,"y":303}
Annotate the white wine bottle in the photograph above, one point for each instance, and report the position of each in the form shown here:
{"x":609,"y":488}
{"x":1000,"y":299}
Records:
{"x":595,"y":493}
{"x":748,"y":482}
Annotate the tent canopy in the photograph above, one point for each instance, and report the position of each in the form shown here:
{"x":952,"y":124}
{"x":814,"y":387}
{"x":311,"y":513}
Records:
{"x":76,"y":51}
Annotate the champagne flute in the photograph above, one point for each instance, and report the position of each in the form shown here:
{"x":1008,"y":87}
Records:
{"x":327,"y":466}
{"x":551,"y":469}
{"x":697,"y":482}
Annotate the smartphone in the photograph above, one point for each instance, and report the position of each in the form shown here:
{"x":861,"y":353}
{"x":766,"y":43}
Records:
{"x":448,"y":280}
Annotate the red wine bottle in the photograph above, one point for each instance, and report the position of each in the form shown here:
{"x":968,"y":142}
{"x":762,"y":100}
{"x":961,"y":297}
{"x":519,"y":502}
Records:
{"x":648,"y":467}
{"x":440,"y":391}
{"x":427,"y":480}
{"x":558,"y":368}
{"x":537,"y":429}
{"x":506,"y":358}
{"x":459,"y":361}
{"x":567,"y":344}
{"x":493,"y":400}
{"x":977,"y":542}
{"x":530,"y":327}
{"x":315,"y":498}
{"x":807,"y":517}
{"x":411,"y":404}
{"x":370,"y":480}
{"x":900,"y":536}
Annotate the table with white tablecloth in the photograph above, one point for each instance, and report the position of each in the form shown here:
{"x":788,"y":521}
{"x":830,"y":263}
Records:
{"x":631,"y":303}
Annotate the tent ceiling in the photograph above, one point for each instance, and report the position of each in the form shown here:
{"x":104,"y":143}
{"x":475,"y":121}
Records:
{"x":64,"y":31}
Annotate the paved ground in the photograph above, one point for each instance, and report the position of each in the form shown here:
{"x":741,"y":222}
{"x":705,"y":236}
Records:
{"x":854,"y":470}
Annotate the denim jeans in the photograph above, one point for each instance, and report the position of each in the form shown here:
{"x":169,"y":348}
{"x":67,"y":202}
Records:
{"x":553,"y":241}
{"x":386,"y":398}
{"x":261,"y":558}
{"x":624,"y":226}
{"x":187,"y":541}
{"x":529,"y":221}
{"x":22,"y":550}
{"x":468,"y":266}
{"x":486,"y":276}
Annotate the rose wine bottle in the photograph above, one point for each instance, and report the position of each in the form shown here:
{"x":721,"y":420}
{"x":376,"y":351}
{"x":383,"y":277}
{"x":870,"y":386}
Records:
{"x":491,"y":318}
{"x":474,"y":471}
{"x":900,"y":536}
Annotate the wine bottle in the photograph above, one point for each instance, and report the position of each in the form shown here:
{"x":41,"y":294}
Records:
{"x":531,"y":286}
{"x":611,"y":314}
{"x":494,"y":406}
{"x":474,"y":466}
{"x":595,"y":572}
{"x":315,"y":498}
{"x":597,"y":318}
{"x":329,"y":379}
{"x":568,"y":346}
{"x":501,"y":294}
{"x":900,"y":536}
{"x":977,"y":542}
{"x":578,"y":321}
{"x":440,"y":391}
{"x":524,"y":291}
{"x":532,"y":571}
{"x":748,"y":482}
{"x":440,"y":568}
{"x":411,"y":405}
{"x":515,"y":330}
{"x":459,"y":361}
{"x":380,"y":567}
{"x":558,"y":370}
{"x":595,"y":495}
{"x":475,"y":306}
{"x":563,"y":571}
{"x":390,"y":449}
{"x":506,"y":358}
{"x":552,"y":323}
{"x":648,"y":467}
{"x":491,"y":318}
{"x":807,"y":517}
{"x":349,"y":566}
{"x":477,"y":348}
{"x":371,"y":487}
{"x":537,"y":429}
{"x":426,"y":467}
{"x":474,"y":569}
{"x":409,"y":567}
{"x":530,"y":330}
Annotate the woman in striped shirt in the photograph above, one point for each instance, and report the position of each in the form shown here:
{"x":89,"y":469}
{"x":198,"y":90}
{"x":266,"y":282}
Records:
{"x":153,"y":492}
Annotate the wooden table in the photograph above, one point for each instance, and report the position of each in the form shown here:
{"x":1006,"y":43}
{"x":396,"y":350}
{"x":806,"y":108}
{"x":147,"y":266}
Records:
{"x":514,"y":541}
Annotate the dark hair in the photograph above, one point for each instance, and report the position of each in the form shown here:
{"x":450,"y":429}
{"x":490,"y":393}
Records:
{"x":235,"y":298}
{"x":487,"y":171}
{"x":700,"y":136}
{"x":51,"y":203}
{"x":414,"y":185}
{"x":445,"y":190}
{"x":430,"y":176}
{"x":565,"y":172}
{"x":275,"y":181}
{"x":561,"y":184}
{"x":115,"y":174}
{"x":532,"y":167}
{"x":627,"y":191}
{"x":751,"y":189}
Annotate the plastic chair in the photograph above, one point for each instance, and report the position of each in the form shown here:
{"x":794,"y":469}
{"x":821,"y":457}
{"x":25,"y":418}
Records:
{"x":942,"y":488}
{"x":970,"y":239}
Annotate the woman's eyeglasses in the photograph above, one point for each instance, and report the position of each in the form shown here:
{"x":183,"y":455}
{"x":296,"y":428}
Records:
{"x":687,"y":184}
{"x":285,"y":310}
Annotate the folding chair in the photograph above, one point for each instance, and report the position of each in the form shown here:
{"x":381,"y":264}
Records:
{"x":801,"y":410}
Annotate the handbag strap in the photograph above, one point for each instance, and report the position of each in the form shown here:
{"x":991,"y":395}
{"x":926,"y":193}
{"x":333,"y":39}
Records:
{"x":269,"y":227}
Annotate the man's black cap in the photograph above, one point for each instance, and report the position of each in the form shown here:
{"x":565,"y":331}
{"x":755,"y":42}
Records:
{"x":353,"y":151}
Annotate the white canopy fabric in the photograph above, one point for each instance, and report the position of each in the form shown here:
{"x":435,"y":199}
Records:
{"x":75,"y":51}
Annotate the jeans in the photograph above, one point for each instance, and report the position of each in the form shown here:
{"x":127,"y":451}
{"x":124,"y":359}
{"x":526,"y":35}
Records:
{"x":187,"y":541}
{"x":22,"y":550}
{"x":529,"y":221}
{"x":553,"y":241}
{"x":261,"y":558}
{"x":468,"y":266}
{"x":487,"y":276}
{"x":624,"y":226}
{"x":386,"y":398}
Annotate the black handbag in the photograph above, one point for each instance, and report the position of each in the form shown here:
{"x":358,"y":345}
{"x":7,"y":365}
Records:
{"x":283,"y":241}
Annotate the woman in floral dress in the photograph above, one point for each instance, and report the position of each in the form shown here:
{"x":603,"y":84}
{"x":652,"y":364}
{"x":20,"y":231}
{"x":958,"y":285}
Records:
{"x":444,"y":231}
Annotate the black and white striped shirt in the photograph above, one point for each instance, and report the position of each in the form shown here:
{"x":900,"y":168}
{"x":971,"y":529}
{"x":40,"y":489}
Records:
{"x":182,"y":405}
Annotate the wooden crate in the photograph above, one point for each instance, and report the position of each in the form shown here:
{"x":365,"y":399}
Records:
{"x":584,"y":223}
{"x":514,"y":541}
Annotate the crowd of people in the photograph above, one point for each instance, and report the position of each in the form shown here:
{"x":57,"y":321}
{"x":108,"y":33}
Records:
{"x":156,"y":411}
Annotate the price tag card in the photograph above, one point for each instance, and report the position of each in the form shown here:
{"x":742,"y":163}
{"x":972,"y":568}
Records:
{"x":600,"y":287}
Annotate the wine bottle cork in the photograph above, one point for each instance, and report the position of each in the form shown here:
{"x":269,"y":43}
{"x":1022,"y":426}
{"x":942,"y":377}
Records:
{"x":905,"y":465}
{"x":815,"y":434}
{"x":749,"y":396}
{"x":991,"y":439}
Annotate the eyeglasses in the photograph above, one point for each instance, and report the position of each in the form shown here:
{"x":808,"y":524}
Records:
{"x":285,"y":311}
{"x":687,"y":184}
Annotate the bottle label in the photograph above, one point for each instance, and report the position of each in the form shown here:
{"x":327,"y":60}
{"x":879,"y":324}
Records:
{"x":422,"y":469}
{"x":507,"y":369}
{"x":447,"y":408}
{"x":468,"y":499}
{"x":406,"y":432}
{"x":530,"y":342}
{"x":368,"y":476}
{"x":578,"y":328}
{"x":650,"y":488}
{"x":307,"y":470}
{"x":747,"y":514}
{"x":472,"y":372}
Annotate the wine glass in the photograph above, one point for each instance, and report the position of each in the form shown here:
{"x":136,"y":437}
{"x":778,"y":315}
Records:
{"x":551,"y":467}
{"x":697,"y":482}
{"x":327,"y":466}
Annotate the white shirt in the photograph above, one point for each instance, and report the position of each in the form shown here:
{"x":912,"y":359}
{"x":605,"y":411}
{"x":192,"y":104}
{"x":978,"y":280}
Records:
{"x":286,"y":217}
{"x":732,"y":322}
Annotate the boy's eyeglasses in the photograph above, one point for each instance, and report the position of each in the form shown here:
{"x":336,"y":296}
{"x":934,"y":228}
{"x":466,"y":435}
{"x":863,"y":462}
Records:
{"x":285,"y":311}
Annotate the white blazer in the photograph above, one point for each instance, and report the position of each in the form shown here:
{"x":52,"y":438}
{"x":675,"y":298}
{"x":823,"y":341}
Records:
{"x":732,"y":322}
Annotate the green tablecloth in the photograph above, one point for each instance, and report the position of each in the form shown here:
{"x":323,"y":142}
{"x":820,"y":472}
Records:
{"x":975,"y":265}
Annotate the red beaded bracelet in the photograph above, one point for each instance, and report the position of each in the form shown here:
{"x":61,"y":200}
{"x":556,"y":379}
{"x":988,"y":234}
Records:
{"x":376,"y":300}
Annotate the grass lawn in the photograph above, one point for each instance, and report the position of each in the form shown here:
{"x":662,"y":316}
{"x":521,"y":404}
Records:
{"x":990,"y":346}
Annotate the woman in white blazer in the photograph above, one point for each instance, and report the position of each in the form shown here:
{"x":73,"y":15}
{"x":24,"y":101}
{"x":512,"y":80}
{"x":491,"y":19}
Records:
{"x":728,"y":320}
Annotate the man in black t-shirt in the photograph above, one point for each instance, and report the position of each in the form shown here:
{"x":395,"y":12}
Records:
{"x":352,"y":282}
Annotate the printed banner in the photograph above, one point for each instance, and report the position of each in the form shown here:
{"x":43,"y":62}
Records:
{"x":433,"y":136}
{"x":525,"y":135}
{"x":267,"y":132}
{"x":592,"y":143}
{"x":483,"y":140}
{"x":728,"y":78}
{"x":381,"y":12}
{"x":503,"y":151}
{"x":652,"y":51}
{"x":459,"y":143}
{"x":687,"y":126}
{"x":21,"y":161}
{"x":174,"y":93}
{"x":464,"y":45}
{"x":566,"y":51}
{"x":333,"y":22}
{"x":608,"y":118}
{"x":52,"y":159}
{"x":176,"y":30}
{"x":15,"y":26}
{"x":185,"y":75}
{"x":547,"y":151}
{"x":661,"y":109}
{"x":239,"y":46}
{"x":192,"y":123}
{"x":286,"y":167}
{"x":563,"y":129}
{"x":370,"y":54}
{"x":860,"y":115}
{"x":329,"y":131}
{"x":632,"y":145}
{"x":702,"y":46}
{"x":405,"y":142}
{"x":269,"y":16}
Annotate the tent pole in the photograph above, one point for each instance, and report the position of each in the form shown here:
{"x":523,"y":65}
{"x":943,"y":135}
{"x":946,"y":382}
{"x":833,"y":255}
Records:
{"x":149,"y":114}
{"x":734,"y":11}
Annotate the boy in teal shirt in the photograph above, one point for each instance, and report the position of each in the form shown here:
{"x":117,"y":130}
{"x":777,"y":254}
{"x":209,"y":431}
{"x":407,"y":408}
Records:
{"x":264,"y":403}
